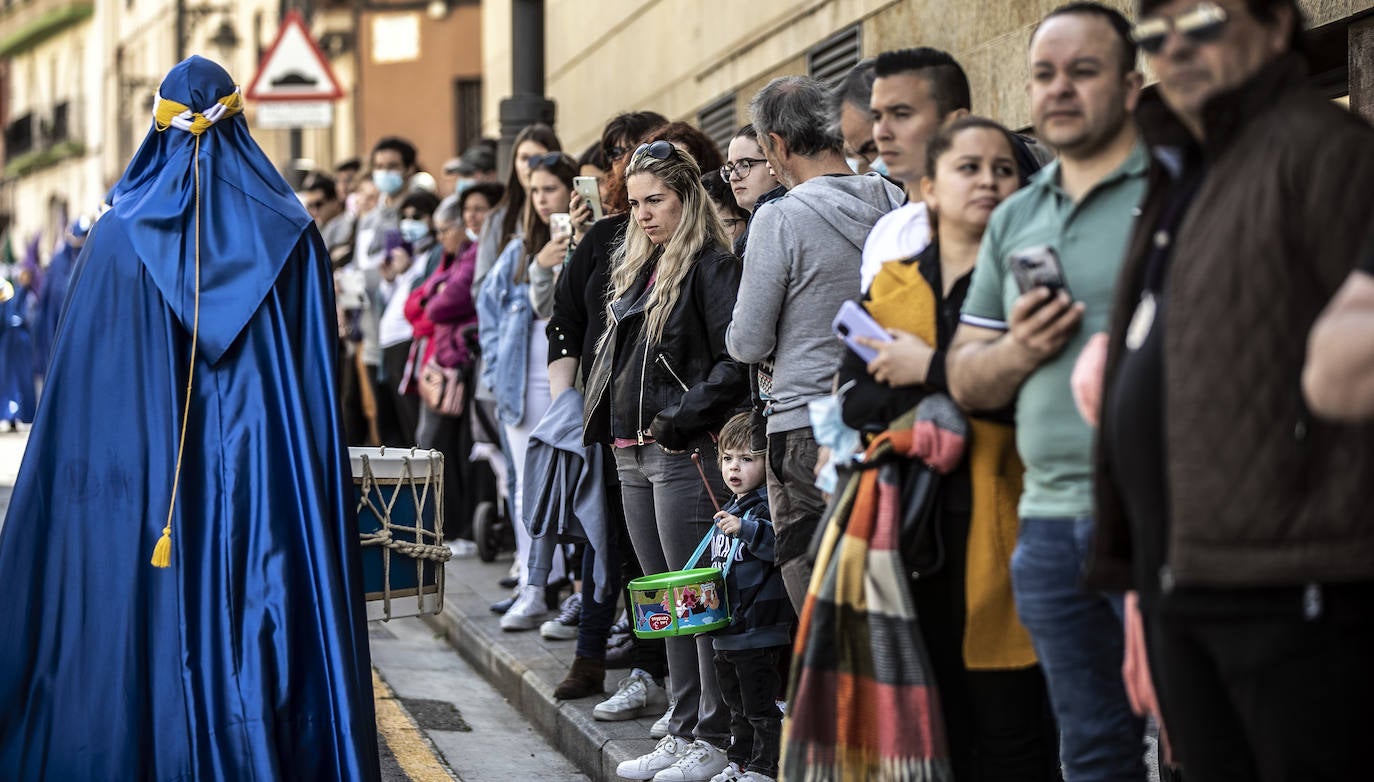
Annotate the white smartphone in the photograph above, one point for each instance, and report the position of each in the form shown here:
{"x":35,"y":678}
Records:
{"x":853,"y":321}
{"x":560,"y":224}
{"x":590,"y":191}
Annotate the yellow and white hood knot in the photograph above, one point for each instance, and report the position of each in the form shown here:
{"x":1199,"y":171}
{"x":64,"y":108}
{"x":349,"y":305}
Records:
{"x":170,"y":114}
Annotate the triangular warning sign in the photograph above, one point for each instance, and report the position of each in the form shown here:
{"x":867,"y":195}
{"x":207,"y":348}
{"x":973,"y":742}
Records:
{"x":294,"y":68}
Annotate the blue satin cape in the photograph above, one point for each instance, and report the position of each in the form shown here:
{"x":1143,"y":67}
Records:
{"x":247,"y":659}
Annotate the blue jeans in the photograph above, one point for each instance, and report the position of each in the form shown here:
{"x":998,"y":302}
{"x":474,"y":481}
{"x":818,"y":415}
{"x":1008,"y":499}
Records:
{"x":1078,"y":637}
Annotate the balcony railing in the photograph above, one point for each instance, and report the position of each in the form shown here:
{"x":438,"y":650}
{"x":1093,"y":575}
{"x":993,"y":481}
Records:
{"x":25,"y":24}
{"x":44,"y":135}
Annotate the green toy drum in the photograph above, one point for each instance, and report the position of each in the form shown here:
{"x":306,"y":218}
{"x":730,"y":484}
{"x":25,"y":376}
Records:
{"x":682,"y":602}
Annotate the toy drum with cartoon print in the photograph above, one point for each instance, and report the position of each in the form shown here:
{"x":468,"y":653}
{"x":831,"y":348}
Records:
{"x":682,"y":602}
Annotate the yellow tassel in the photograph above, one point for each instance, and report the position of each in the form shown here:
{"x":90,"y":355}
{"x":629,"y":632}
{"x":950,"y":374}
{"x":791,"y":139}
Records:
{"x":162,"y":552}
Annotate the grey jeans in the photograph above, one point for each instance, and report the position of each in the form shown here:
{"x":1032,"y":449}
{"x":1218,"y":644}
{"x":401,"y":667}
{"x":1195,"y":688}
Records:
{"x":797,"y":506}
{"x":668,"y":512}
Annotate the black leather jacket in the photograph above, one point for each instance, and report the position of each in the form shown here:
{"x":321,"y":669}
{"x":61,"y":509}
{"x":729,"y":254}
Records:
{"x":686,"y":384}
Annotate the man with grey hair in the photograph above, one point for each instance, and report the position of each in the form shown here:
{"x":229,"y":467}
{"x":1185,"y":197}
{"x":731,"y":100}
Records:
{"x":801,"y":264}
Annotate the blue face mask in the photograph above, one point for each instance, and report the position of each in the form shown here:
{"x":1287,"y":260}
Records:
{"x":878,"y":165}
{"x":414,"y":230}
{"x":463,"y":184}
{"x":828,"y":426}
{"x":389,"y":182}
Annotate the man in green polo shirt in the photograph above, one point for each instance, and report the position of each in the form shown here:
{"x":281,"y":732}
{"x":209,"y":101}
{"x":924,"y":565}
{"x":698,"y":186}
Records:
{"x":1016,"y":345}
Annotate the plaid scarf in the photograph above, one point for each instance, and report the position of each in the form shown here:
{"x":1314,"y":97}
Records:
{"x":862,"y":703}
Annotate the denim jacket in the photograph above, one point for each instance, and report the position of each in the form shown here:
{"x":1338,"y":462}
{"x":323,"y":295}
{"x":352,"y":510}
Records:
{"x":503,"y":326}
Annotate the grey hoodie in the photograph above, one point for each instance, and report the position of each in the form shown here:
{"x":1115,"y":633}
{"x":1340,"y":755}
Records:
{"x":801,"y":264}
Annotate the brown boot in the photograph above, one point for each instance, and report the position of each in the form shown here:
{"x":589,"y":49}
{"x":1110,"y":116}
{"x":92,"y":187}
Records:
{"x":586,"y":677}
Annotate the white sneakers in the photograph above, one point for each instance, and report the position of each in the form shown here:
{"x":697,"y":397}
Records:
{"x":665,"y":754}
{"x":528,"y":611}
{"x":729,"y":774}
{"x":699,"y":762}
{"x":637,"y":696}
{"x":753,"y":776}
{"x":660,"y":726}
{"x":676,"y":760}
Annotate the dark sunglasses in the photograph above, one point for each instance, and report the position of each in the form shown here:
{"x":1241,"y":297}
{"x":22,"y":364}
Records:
{"x":658,"y":150}
{"x":1203,"y":24}
{"x":546,"y":161}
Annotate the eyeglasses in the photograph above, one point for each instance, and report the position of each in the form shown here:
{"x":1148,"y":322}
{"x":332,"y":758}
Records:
{"x":1203,"y":24}
{"x":740,"y":167}
{"x":658,"y":150}
{"x":545,"y":161}
{"x":732,"y":222}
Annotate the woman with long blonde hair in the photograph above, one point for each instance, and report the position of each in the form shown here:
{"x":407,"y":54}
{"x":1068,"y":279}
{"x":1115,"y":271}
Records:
{"x":661,"y":385}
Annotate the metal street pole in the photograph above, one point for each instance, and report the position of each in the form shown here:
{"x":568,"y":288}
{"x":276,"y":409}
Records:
{"x":527,"y":105}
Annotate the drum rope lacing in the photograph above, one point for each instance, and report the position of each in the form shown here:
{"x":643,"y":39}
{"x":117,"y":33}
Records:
{"x":381,"y":507}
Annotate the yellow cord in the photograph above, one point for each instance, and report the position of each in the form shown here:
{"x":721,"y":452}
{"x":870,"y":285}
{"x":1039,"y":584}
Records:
{"x":162,"y":552}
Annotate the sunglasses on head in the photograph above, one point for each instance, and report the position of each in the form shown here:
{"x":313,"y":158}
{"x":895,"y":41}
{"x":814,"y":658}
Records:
{"x":1203,"y":24}
{"x":545,"y":161}
{"x":658,"y":150}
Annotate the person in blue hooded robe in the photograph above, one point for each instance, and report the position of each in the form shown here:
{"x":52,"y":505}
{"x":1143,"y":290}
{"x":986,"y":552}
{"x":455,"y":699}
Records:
{"x":192,"y":372}
{"x":47,"y":310}
{"x":18,"y":389}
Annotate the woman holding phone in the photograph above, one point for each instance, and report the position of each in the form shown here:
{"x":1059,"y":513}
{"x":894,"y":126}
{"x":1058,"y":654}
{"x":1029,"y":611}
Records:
{"x":992,"y":693}
{"x":510,"y":335}
{"x":660,"y":385}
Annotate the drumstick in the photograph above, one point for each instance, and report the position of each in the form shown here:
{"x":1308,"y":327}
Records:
{"x":696,"y":459}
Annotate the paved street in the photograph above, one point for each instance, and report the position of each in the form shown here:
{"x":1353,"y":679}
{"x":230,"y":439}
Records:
{"x":438,"y":720}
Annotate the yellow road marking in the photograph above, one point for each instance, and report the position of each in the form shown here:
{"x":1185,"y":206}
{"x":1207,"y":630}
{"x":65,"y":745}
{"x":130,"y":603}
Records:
{"x":413,"y":752}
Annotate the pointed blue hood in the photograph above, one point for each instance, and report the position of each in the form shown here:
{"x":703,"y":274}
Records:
{"x":250,"y":221}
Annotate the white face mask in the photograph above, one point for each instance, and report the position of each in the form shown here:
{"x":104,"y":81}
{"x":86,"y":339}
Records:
{"x":414,"y":230}
{"x":389,"y":182}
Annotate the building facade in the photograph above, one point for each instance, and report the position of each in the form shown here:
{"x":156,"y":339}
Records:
{"x":702,"y":61}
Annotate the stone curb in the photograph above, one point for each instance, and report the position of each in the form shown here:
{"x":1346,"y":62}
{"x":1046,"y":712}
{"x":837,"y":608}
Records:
{"x":525,"y":669}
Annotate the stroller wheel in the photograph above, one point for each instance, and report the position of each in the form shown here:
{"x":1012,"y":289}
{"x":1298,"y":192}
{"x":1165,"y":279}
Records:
{"x":485,"y":531}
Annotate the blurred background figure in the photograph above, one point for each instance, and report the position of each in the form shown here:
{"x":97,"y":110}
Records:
{"x":18,"y":390}
{"x":50,"y":297}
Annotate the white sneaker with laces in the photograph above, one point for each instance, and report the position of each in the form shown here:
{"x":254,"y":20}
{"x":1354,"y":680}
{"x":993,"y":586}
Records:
{"x":528,"y":610}
{"x":754,"y":776}
{"x":646,"y":766}
{"x":637,"y":696}
{"x":699,"y":763}
{"x":730,"y":774}
{"x":564,"y":626}
{"x":660,"y":726}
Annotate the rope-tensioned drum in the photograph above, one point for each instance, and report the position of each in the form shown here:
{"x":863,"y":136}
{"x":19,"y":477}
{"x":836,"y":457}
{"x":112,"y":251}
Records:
{"x":416,"y":541}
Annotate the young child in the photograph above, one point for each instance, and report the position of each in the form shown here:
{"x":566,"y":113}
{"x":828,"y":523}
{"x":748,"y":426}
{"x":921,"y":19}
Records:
{"x":761,"y":616}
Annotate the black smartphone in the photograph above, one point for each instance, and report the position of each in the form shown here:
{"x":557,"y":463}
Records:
{"x":1036,"y":267}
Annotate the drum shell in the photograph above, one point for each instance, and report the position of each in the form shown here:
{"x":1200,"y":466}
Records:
{"x":697,"y":597}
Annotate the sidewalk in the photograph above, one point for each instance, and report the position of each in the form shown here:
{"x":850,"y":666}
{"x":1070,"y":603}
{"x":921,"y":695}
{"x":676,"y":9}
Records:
{"x":525,"y":668}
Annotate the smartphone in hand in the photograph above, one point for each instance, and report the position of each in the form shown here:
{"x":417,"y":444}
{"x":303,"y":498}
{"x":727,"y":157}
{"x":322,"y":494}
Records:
{"x":587,"y":187}
{"x":853,"y":321}
{"x":1038,"y":267}
{"x":560,"y":224}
